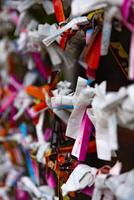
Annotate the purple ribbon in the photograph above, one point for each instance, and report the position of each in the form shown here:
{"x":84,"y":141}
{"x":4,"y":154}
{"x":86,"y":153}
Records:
{"x":125,"y":9}
{"x":86,"y":131}
{"x":7,"y":102}
{"x":41,"y":67}
{"x":21,"y":195}
{"x":127,"y":12}
{"x":88,"y":191}
{"x":128,"y":19}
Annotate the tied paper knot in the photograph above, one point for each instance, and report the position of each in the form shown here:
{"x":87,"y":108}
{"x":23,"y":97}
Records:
{"x":43,"y":192}
{"x":105,"y":134}
{"x":55,"y":53}
{"x":122,"y":186}
{"x":76,"y":21}
{"x":119,"y":187}
{"x":47,"y":5}
{"x":5,"y":163}
{"x":41,"y":145}
{"x":125,"y":111}
{"x":81,"y":99}
{"x":81,"y":177}
{"x":108,"y":110}
{"x":79,"y":126}
{"x":55,"y":102}
{"x":101,"y":191}
{"x":22,"y":100}
{"x":62,"y":88}
{"x":9,"y":173}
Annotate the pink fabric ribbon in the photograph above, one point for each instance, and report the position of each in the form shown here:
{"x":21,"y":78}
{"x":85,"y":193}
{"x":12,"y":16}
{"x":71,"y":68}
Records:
{"x":86,"y":131}
{"x":7,"y":102}
{"x":41,"y":67}
{"x":81,"y":144}
{"x":125,"y":9}
{"x":127,"y":13}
